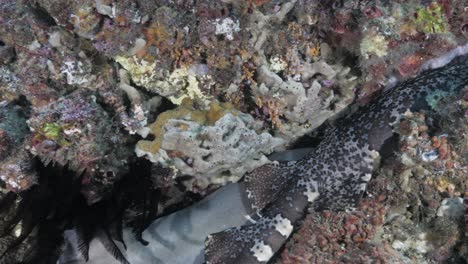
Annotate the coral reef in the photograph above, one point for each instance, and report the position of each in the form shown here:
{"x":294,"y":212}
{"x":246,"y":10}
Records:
{"x":179,"y":84}
{"x":76,"y":131}
{"x":431,"y":19}
{"x":16,"y":168}
{"x":430,"y":182}
{"x":47,"y":67}
{"x":13,"y":128}
{"x":88,"y":85}
{"x":387,"y":37}
{"x":200,"y":70}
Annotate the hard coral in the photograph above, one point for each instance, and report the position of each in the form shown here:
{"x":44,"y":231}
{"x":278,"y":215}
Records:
{"x":390,"y":35}
{"x":8,"y":85}
{"x":413,"y":231}
{"x":196,"y":142}
{"x":297,"y":107}
{"x":374,"y":44}
{"x":17,"y":171}
{"x":179,"y":84}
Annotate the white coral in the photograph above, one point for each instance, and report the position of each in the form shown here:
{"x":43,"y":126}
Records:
{"x":214,"y":154}
{"x":305,"y":108}
{"x":374,"y":44}
{"x":76,"y":72}
{"x":176,"y":86}
{"x":227,"y":27}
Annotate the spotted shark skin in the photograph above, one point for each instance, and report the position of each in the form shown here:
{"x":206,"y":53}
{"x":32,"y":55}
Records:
{"x":332,"y":176}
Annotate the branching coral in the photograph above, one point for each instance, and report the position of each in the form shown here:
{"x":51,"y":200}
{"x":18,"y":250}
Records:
{"x":197,"y":141}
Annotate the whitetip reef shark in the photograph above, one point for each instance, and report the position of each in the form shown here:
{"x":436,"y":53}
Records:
{"x":333,"y":175}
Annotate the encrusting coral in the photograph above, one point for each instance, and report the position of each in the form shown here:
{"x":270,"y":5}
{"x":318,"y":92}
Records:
{"x":195,"y":141}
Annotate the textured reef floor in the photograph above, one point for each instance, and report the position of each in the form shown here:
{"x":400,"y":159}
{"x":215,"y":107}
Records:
{"x":117,"y":114}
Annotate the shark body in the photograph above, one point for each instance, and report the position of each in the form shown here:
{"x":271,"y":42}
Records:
{"x":332,"y":176}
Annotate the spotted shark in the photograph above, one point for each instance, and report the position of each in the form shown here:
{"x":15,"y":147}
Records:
{"x":274,"y":197}
{"x":333,"y":175}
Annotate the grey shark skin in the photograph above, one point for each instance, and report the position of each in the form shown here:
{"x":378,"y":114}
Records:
{"x":332,"y":176}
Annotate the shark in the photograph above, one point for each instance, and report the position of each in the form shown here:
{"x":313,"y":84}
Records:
{"x":249,"y":221}
{"x":333,"y":175}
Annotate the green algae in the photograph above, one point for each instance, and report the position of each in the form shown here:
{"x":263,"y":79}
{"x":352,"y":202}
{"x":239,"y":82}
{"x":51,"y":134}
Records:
{"x":431,"y":19}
